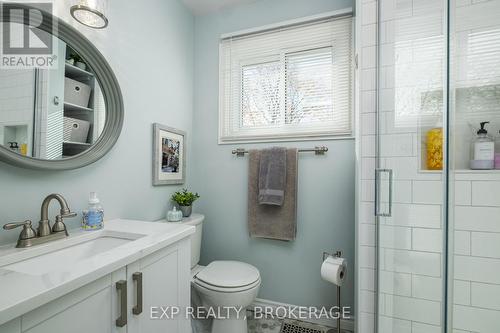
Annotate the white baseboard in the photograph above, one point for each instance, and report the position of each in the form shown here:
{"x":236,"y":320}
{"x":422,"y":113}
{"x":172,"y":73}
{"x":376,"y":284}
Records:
{"x":345,"y":324}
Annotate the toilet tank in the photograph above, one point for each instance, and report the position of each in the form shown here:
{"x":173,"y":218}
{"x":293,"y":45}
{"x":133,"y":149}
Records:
{"x":196,"y":220}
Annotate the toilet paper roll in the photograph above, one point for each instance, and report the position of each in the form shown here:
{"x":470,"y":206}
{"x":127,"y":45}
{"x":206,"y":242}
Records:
{"x":334,"y":270}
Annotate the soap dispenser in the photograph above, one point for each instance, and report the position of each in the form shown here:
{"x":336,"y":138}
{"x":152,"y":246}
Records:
{"x":93,"y":217}
{"x":482,"y":150}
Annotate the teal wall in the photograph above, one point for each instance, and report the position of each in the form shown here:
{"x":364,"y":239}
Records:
{"x":150,"y":46}
{"x":290,"y":271}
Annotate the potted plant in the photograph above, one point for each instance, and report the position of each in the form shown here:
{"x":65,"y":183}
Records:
{"x":185,"y":201}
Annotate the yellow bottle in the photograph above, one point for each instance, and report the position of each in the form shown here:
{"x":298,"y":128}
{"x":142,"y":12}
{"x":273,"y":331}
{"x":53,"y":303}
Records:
{"x":24,"y":149}
{"x":434,"y":142}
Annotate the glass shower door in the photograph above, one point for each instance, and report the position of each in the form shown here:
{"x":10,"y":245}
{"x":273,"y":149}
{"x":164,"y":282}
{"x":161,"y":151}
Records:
{"x":410,"y":183}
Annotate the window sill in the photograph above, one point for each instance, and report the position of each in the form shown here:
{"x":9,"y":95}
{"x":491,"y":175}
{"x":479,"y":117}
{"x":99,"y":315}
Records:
{"x":284,"y":139}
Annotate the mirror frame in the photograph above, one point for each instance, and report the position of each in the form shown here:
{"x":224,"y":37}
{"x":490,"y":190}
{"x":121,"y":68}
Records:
{"x":110,"y":88}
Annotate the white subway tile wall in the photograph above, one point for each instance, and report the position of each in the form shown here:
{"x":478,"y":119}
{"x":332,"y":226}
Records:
{"x":476,"y":292}
{"x":475,"y":69}
{"x":476,"y":271}
{"x":16,"y":104}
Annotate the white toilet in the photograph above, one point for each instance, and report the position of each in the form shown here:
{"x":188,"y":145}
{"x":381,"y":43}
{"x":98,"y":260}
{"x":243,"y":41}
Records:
{"x":223,"y":285}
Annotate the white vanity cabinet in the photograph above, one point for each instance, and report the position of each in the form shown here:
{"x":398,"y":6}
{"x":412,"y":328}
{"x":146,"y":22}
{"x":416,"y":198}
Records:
{"x":164,"y":277}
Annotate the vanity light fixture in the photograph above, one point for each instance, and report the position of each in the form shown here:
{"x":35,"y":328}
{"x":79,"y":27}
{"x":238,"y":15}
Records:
{"x":90,"y":13}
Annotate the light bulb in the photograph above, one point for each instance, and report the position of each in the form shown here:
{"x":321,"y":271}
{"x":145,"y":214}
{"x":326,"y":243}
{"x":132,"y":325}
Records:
{"x":90,"y":13}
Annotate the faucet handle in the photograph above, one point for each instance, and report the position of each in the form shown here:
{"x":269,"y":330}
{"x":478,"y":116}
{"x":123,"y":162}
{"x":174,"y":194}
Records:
{"x":59,"y":225}
{"x":27,"y":232}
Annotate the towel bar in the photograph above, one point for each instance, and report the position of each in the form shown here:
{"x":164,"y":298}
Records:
{"x":240,"y":152}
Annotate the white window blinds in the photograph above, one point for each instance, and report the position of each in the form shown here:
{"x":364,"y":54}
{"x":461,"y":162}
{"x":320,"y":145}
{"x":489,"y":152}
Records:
{"x":287,"y":83}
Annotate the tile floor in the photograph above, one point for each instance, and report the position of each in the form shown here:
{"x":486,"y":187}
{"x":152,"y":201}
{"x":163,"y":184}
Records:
{"x":274,"y":326}
{"x":265,"y":325}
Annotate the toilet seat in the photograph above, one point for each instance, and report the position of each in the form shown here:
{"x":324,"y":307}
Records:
{"x":226,"y":289}
{"x":228,"y":276}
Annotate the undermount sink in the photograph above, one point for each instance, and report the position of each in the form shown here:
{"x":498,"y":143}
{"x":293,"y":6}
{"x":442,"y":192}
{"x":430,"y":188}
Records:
{"x":72,"y":254}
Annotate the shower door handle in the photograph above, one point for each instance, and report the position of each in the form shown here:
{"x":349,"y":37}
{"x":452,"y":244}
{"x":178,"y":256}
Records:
{"x":387,"y":212}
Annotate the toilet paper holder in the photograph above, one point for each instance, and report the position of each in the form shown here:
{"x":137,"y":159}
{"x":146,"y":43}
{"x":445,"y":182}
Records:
{"x":336,"y":254}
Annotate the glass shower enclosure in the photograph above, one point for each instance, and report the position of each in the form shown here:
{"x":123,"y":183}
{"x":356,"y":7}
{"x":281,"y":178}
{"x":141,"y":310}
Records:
{"x":438,"y":220}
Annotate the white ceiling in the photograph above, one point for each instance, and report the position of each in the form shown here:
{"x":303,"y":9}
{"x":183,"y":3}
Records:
{"x":202,"y":7}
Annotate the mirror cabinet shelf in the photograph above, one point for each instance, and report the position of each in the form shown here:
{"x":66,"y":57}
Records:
{"x":81,"y":96}
{"x":69,"y":107}
{"x":73,"y":71}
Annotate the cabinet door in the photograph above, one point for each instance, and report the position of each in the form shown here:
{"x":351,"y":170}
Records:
{"x":165,"y":283}
{"x":13,"y":326}
{"x":85,"y":310}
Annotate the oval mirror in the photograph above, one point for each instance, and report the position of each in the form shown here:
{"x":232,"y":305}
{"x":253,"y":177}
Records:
{"x":60,"y":103}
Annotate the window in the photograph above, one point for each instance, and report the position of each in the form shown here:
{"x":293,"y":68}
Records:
{"x":293,"y":82}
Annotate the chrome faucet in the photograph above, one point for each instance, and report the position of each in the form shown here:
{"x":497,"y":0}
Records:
{"x":45,"y":233}
{"x":59,"y":226}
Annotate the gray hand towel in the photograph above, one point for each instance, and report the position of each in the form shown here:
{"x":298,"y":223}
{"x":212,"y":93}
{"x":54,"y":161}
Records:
{"x":269,"y":221}
{"x":272,"y":176}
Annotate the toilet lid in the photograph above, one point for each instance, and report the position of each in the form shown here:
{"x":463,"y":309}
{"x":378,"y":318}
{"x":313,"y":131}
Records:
{"x":230,"y":274}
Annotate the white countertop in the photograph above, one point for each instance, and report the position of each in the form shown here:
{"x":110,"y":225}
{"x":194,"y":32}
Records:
{"x":21,"y":292}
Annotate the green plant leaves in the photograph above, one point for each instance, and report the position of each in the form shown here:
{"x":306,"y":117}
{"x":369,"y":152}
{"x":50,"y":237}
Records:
{"x":184,"y":197}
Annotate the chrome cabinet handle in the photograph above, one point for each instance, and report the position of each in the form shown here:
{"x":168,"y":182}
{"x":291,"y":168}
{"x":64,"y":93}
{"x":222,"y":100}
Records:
{"x":378,"y":174}
{"x":121,"y":287}
{"x":137,"y":278}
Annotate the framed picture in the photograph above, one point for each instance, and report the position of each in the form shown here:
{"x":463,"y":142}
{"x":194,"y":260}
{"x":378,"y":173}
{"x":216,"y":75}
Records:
{"x":169,"y":155}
